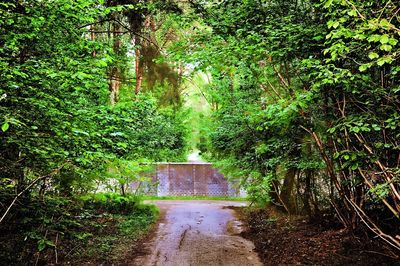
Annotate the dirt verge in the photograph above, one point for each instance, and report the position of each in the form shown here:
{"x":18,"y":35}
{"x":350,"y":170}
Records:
{"x":283,"y":241}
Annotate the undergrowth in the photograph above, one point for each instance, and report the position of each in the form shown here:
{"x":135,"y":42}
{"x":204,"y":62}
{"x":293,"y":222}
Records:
{"x":98,"y":228}
{"x":281,"y":239}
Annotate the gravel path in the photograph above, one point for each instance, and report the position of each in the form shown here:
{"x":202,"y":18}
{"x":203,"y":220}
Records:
{"x":198,"y":233}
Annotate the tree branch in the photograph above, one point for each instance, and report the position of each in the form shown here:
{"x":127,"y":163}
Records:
{"x":55,"y":171}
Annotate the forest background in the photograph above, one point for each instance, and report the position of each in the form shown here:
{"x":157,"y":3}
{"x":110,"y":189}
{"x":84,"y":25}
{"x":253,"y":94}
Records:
{"x":301,"y":106}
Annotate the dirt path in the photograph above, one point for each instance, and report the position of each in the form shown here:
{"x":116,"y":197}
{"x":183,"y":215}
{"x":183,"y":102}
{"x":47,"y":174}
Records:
{"x":198,"y":233}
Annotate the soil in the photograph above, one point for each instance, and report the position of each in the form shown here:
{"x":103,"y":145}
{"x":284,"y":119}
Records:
{"x":283,"y":240}
{"x":198,"y":233}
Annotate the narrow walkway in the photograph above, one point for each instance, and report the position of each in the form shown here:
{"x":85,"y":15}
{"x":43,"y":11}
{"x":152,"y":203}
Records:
{"x":199,"y":233}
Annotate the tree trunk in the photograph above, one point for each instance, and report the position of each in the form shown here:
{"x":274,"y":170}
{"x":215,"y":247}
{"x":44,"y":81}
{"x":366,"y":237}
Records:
{"x":139,"y":71}
{"x":115,"y":72}
{"x":286,"y":194}
{"x":307,"y":193}
{"x":93,"y":38}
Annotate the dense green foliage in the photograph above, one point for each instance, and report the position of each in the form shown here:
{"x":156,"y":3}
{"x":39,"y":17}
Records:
{"x":92,"y":229}
{"x":55,"y":106}
{"x":71,"y":121}
{"x":304,"y":99}
{"x":305,"y":104}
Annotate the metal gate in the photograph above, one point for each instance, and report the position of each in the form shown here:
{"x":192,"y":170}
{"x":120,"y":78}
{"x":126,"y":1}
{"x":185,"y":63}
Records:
{"x":191,"y":179}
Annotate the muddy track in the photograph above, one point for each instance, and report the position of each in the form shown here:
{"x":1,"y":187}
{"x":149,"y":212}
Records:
{"x":198,"y":233}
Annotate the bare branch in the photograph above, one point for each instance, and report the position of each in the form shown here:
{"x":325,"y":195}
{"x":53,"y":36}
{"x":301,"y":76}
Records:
{"x":54,"y":172}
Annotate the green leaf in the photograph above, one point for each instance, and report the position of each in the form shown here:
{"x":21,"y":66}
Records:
{"x":331,"y":130}
{"x":122,"y":145}
{"x":393,"y":41}
{"x":384,"y":39}
{"x":328,"y":3}
{"x":318,"y":38}
{"x":41,"y":244}
{"x":336,"y":24}
{"x":374,"y":38}
{"x":5,"y":127}
{"x":354,"y":167}
{"x":77,"y":131}
{"x":373,"y":55}
{"x":376,"y":127}
{"x":384,"y":60}
{"x":364,"y":67}
{"x":101,"y":63}
{"x":352,"y":13}
{"x":333,"y":24}
{"x":384,"y":23}
{"x":386,"y":47}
